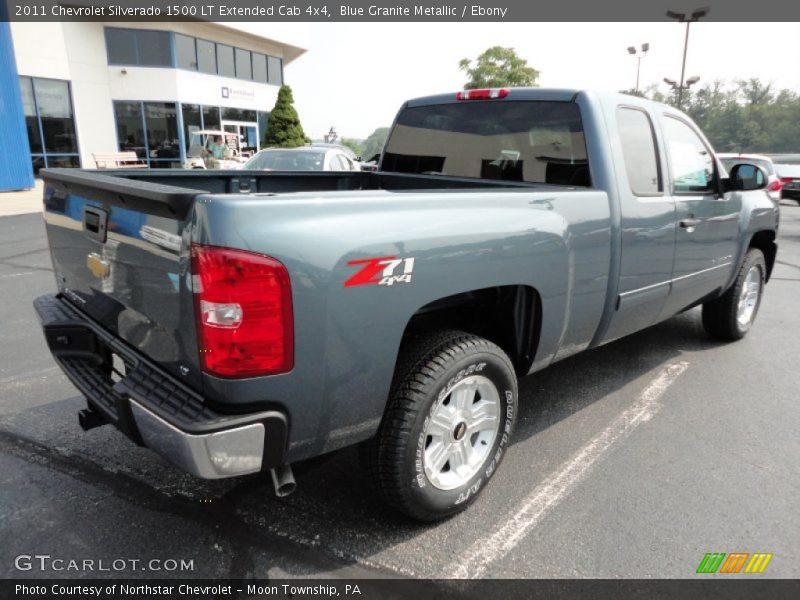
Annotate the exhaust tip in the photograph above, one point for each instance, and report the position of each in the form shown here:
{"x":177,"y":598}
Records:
{"x":283,"y":481}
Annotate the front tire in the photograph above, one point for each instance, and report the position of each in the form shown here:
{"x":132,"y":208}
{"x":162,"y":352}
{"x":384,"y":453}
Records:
{"x":447,"y":425}
{"x":731,"y":316}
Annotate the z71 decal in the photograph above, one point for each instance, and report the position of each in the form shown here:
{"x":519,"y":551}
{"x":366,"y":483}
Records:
{"x":382,"y":270}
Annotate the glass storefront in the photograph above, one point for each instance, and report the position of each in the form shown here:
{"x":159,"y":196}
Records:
{"x":50,"y":122}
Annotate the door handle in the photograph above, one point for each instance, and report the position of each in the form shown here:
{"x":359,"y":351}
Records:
{"x":689,"y":224}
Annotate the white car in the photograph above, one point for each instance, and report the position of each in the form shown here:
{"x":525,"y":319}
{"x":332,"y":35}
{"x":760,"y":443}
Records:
{"x":305,"y":158}
{"x":765,"y":162}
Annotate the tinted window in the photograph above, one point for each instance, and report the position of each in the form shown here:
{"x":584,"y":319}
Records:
{"x":185,"y":52}
{"x":211,"y":117}
{"x":191,"y":124}
{"x":121,"y":46}
{"x":31,"y":121}
{"x":275,"y":70}
{"x":263,"y":117}
{"x":55,"y":112}
{"x":225,"y":64}
{"x":206,"y":56}
{"x":513,"y":141}
{"x":244,"y":69}
{"x":690,"y":161}
{"x":161,"y":120}
{"x":153,"y":47}
{"x":259,"y":68}
{"x":130,"y":127}
{"x":238,"y":114}
{"x":639,"y":150}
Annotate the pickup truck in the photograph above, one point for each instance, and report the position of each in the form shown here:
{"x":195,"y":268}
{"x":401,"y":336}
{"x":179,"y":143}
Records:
{"x":239,"y":322}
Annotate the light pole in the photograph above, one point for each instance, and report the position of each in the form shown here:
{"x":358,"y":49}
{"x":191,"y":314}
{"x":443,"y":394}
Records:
{"x":675,"y":86}
{"x":639,"y":56}
{"x":695,"y":16}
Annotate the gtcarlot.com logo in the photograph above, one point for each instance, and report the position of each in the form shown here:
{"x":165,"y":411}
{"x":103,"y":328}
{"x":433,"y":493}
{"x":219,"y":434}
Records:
{"x":735,"y":562}
{"x":46,"y":562}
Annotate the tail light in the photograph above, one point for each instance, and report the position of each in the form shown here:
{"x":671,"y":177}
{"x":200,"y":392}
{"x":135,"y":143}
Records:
{"x":243,"y":306}
{"x":786,"y":180}
{"x":775,"y":186}
{"x":482,"y":94}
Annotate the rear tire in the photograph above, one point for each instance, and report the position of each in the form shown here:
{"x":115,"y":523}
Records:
{"x":731,"y":316}
{"x":447,"y":424}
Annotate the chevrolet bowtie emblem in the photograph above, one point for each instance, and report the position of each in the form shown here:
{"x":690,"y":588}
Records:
{"x":97,"y":265}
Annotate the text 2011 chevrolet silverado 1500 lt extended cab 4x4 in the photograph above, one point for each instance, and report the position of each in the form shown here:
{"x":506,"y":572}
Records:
{"x":238,"y":322}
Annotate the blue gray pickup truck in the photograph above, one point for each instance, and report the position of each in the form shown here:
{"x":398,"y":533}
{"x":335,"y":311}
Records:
{"x":237,"y":322}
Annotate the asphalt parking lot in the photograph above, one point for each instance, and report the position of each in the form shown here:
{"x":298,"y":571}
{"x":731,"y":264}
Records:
{"x":632,"y":460}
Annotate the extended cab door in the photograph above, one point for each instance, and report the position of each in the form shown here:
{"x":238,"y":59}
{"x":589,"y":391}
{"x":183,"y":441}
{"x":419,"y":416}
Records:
{"x":647,"y":223}
{"x":707,"y":234}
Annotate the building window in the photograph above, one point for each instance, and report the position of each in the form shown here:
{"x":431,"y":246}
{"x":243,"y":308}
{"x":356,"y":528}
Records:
{"x":138,"y":47}
{"x":259,"y":68}
{"x":244,"y":69}
{"x":263,"y":117}
{"x":211,"y":118}
{"x":50,"y":122}
{"x":130,"y":128}
{"x":238,"y":114}
{"x":206,"y":57}
{"x":151,"y":130}
{"x":192,"y":123}
{"x":185,"y":52}
{"x":275,"y":70}
{"x":225,"y":62}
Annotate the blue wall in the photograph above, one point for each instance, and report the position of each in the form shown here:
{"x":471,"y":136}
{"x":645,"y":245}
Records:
{"x":16,"y":171}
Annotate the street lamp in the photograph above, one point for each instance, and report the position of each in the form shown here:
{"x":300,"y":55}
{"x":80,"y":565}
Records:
{"x":639,"y":54}
{"x":680,"y":17}
{"x":676,"y":86}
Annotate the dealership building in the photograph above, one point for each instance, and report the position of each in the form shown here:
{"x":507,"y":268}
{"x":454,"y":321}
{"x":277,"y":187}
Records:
{"x":81,"y":89}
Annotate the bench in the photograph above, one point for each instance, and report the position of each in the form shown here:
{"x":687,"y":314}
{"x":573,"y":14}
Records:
{"x":118,"y":160}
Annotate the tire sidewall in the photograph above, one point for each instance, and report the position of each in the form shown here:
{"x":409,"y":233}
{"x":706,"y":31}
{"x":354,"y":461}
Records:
{"x":754,"y":260}
{"x":494,"y":368}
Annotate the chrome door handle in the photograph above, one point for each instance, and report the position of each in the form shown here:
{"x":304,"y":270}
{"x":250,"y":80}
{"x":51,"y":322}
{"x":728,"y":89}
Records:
{"x":689,"y":224}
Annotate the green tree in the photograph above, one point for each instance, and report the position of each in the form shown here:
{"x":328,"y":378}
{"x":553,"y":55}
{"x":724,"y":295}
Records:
{"x":374,"y":143}
{"x":283,"y":126}
{"x":354,"y":145}
{"x":498,"y":67}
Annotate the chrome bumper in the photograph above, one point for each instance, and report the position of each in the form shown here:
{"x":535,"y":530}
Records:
{"x":228,"y":453}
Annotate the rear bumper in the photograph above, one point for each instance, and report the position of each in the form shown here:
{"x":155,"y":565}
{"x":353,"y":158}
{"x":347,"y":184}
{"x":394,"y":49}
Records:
{"x":152,"y":407}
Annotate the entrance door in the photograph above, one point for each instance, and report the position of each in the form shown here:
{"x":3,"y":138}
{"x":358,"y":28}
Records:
{"x":246,"y":135}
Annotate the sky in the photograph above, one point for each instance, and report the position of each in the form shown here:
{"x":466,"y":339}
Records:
{"x":355,"y":76}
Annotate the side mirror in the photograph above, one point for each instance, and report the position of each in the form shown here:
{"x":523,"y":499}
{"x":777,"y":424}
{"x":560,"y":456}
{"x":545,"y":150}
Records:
{"x":746,"y":177}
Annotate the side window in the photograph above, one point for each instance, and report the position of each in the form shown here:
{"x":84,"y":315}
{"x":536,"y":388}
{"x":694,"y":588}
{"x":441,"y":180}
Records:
{"x":691,"y":162}
{"x":337,"y":164}
{"x":639,"y":151}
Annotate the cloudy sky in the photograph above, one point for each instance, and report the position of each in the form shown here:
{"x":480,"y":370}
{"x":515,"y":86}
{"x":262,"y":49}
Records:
{"x":355,"y":75}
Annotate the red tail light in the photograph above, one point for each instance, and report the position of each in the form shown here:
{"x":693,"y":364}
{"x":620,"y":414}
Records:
{"x":483,"y":94}
{"x":243,"y":304}
{"x":775,"y":186}
{"x":785,"y":180}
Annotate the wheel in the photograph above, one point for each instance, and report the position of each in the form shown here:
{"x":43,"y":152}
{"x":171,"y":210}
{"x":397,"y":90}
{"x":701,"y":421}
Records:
{"x":730,"y":316}
{"x":447,"y":424}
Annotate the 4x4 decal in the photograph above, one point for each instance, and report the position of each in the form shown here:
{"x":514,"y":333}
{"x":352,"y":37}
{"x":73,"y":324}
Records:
{"x":382,"y":270}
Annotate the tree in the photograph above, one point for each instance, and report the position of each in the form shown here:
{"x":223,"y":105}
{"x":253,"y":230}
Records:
{"x":498,"y":67}
{"x":354,"y":145}
{"x":374,"y":143}
{"x":283,"y":126}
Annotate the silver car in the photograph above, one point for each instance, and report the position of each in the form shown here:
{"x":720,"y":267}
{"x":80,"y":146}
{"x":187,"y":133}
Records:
{"x":305,"y":158}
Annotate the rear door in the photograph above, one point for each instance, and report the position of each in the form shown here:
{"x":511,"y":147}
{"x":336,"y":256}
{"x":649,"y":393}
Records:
{"x":706,"y":238}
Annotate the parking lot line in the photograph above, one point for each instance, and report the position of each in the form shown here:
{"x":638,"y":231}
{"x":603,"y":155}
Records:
{"x":477,"y":560}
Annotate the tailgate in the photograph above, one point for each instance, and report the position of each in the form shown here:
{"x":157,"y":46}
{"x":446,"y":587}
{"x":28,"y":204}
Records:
{"x":120,"y":251}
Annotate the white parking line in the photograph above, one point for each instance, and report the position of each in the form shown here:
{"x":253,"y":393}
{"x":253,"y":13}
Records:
{"x":475,"y":562}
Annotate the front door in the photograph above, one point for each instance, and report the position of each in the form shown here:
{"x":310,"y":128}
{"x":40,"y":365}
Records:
{"x":708,"y":224}
{"x":246,"y":136}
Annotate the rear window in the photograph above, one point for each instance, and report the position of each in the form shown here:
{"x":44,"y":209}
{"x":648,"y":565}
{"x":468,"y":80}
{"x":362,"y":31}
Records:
{"x":537,"y":142}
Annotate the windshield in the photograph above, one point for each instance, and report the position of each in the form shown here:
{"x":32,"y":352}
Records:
{"x":540,"y":142}
{"x":287,"y":160}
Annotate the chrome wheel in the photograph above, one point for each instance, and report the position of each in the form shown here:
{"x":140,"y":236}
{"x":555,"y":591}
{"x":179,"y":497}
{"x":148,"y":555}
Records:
{"x":749,"y":297}
{"x":460,"y":432}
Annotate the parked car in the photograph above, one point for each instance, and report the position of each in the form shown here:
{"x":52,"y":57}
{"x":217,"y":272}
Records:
{"x":790,"y":180}
{"x":268,"y":318}
{"x":305,"y":158}
{"x":765,"y":162}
